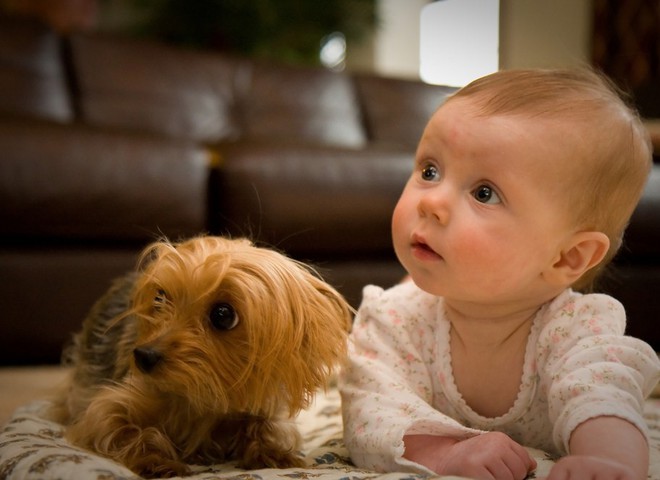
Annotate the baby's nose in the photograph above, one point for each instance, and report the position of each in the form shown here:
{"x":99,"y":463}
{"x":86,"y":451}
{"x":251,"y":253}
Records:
{"x":436,"y":204}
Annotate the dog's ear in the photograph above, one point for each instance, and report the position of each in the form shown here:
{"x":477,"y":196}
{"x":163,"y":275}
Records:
{"x":296,"y":325}
{"x":325,"y":320}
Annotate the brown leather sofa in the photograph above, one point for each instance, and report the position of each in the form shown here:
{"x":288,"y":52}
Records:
{"x":107,"y":144}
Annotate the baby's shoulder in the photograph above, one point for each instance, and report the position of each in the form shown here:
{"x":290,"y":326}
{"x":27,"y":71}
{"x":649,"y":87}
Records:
{"x":577,"y":308}
{"x":404,"y":293}
{"x":595,"y":313}
{"x":578,"y":330}
{"x":582,"y":321}
{"x":405,"y":300}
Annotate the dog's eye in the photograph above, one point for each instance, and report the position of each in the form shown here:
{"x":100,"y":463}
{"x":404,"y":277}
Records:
{"x":223,"y":316}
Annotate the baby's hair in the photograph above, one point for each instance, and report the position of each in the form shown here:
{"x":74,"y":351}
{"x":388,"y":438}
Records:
{"x":614,"y":152}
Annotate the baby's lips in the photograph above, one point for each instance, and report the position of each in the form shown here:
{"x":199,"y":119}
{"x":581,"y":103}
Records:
{"x":418,"y":243}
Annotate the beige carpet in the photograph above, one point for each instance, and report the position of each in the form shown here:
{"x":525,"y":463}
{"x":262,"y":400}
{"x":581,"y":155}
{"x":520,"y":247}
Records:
{"x":22,"y":385}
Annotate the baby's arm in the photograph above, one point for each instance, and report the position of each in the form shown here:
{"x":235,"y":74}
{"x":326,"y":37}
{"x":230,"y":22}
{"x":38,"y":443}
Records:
{"x":491,"y":455}
{"x":603,"y":448}
{"x":598,"y":381}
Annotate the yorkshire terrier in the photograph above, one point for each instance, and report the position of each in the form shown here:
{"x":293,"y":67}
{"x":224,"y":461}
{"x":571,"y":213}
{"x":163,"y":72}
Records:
{"x":203,"y":356}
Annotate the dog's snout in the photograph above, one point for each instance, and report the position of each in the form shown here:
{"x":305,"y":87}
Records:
{"x":146,"y":358}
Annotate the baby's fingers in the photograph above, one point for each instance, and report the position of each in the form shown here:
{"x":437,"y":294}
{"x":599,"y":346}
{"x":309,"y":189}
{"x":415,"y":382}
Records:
{"x":494,"y":455}
{"x":519,"y":462}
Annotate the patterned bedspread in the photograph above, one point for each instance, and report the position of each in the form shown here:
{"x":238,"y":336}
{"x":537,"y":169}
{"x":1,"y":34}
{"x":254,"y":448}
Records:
{"x":33,"y":448}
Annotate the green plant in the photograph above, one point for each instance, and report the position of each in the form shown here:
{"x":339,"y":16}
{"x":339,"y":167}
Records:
{"x":290,"y":30}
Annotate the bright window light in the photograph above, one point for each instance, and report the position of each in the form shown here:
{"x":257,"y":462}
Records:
{"x":459,"y":41}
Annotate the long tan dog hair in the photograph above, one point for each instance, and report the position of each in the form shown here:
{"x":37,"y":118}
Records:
{"x":204,"y":355}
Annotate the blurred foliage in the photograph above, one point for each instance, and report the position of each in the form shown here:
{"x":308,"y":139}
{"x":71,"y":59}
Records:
{"x":288,"y":30}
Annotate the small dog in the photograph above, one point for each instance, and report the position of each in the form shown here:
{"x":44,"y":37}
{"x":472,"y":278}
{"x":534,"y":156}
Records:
{"x":205,"y":355}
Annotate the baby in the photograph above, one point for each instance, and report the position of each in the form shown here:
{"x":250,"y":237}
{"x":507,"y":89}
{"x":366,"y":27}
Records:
{"x":523,"y":184}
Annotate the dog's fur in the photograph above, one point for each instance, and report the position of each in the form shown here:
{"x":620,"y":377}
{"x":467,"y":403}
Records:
{"x":163,"y":378}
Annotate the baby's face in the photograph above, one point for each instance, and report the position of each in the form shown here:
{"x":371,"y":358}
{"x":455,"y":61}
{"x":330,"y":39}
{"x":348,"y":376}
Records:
{"x":483,"y":214}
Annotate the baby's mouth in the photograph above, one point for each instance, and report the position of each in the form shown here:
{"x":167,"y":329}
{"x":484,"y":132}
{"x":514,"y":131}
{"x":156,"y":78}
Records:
{"x":422,"y":250}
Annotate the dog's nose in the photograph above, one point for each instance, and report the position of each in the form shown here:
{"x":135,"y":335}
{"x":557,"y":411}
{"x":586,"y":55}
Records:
{"x":146,"y":358}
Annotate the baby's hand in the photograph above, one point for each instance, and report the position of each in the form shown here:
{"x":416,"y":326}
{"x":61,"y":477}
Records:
{"x":596,"y":468}
{"x":488,"y":456}
{"x":492,"y":455}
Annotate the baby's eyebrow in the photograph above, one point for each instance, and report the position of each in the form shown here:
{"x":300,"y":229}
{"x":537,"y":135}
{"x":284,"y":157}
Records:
{"x":426,"y":154}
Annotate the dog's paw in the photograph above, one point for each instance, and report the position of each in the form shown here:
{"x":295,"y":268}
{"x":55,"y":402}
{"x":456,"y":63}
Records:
{"x":154,"y":466}
{"x":291,"y":461}
{"x":270,"y":458}
{"x":267,"y":443}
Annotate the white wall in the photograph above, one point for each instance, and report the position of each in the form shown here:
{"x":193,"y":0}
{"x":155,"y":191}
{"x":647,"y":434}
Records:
{"x":396,"y":43}
{"x":533,"y":33}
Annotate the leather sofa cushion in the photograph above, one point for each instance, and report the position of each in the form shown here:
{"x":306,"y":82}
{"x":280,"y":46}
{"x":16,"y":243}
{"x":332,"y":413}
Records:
{"x":288,"y":103}
{"x":79,"y":183}
{"x":151,"y":87}
{"x":396,"y":110}
{"x":32,"y":77}
{"x":310,"y":200}
{"x":47,"y":291}
{"x":214,"y":98}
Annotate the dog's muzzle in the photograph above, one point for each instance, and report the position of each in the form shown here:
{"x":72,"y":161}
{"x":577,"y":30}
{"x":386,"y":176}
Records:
{"x":147,"y":358}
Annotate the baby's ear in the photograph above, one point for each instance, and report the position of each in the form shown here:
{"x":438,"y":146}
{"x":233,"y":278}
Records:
{"x":584,"y":251}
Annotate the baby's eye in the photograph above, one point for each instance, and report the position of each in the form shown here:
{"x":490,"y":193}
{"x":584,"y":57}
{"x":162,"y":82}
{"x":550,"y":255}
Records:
{"x":430,"y":173}
{"x":486,"y":194}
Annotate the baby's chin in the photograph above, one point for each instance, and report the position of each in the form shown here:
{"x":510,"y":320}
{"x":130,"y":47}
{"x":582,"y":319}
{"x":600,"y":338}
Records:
{"x":424,"y":281}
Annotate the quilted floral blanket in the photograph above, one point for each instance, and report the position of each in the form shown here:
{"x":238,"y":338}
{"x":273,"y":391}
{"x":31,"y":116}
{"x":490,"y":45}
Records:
{"x":33,"y":448}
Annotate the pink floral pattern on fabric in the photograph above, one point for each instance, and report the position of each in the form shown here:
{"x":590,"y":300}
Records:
{"x":578,"y":365}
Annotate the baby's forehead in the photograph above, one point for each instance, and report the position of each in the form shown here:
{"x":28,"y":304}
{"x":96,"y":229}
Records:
{"x":462,"y":111}
{"x":552,"y":146}
{"x":481,"y":106}
{"x":570,"y":127}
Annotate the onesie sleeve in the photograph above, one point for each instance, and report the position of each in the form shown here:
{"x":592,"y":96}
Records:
{"x":386,"y":385}
{"x":591,"y":369}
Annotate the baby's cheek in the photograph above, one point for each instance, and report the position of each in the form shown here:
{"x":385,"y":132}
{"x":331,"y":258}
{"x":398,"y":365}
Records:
{"x":484,"y":258}
{"x":475,"y":245}
{"x":400,"y":222}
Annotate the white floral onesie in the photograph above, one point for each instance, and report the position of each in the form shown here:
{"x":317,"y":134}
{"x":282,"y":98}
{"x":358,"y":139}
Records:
{"x":578,"y":364}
